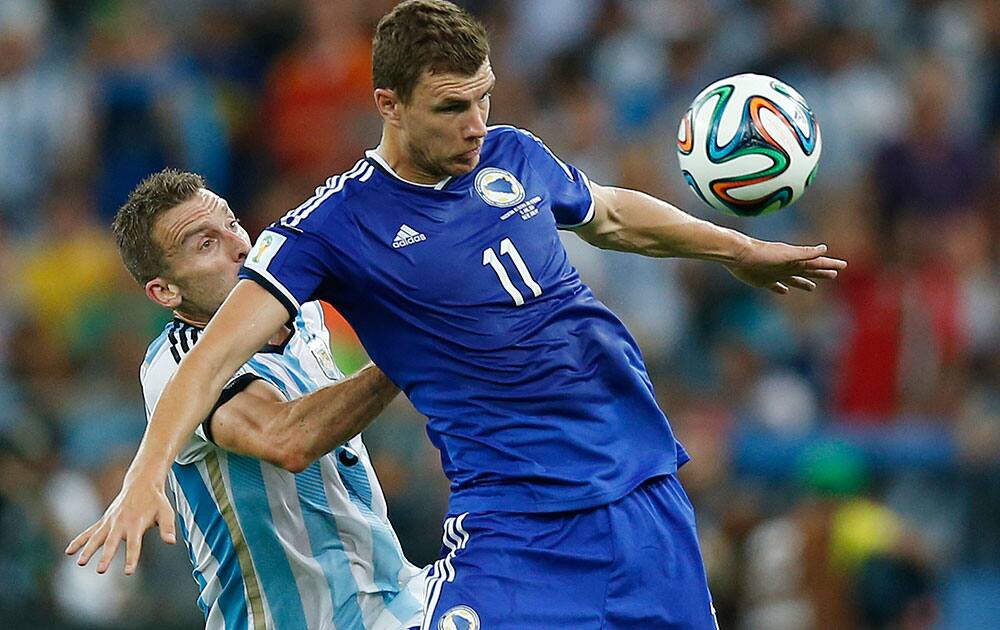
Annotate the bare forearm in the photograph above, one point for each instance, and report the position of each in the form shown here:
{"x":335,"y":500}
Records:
{"x":317,"y":423}
{"x":633,"y":221}
{"x":257,"y":422}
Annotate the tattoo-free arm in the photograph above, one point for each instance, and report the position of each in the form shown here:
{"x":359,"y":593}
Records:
{"x":632,"y":221}
{"x":259,"y":423}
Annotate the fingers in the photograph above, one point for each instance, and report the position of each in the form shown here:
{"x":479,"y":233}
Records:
{"x":819,"y":274}
{"x":824,"y":262}
{"x":81,"y":539}
{"x":133,"y":549}
{"x":95,"y":541}
{"x":798,"y":282}
{"x":165,"y":519}
{"x":110,"y":548}
{"x":778,"y":288}
{"x":167,"y":534}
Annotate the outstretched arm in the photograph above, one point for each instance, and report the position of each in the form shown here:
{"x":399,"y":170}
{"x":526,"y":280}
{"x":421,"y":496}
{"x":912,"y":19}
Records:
{"x":244,"y":323}
{"x":258,"y":422}
{"x":632,"y":221}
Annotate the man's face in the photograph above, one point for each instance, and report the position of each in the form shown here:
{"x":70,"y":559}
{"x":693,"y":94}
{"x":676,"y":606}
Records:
{"x":444,"y":123}
{"x":204,"y":246}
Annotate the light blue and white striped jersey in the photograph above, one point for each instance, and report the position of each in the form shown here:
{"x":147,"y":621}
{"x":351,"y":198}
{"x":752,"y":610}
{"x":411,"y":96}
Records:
{"x":277,"y":550}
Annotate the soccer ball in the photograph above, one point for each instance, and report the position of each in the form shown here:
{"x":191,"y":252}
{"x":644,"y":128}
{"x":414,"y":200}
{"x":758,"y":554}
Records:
{"x":749,"y":144}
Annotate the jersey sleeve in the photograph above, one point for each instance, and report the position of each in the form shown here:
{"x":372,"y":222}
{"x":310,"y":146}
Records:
{"x":289,"y":263}
{"x":571,"y":201}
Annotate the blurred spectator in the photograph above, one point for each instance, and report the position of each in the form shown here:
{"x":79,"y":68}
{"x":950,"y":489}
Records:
{"x":318,"y":94}
{"x":153,"y":107}
{"x":71,"y":264}
{"x":44,"y":111}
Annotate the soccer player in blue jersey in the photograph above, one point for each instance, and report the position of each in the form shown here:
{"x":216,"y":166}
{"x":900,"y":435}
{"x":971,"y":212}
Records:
{"x":440,"y":247}
{"x":270,"y":549}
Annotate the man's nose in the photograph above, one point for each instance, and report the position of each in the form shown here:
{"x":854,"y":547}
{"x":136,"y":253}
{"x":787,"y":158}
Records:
{"x":476,"y":124}
{"x":238,"y":245}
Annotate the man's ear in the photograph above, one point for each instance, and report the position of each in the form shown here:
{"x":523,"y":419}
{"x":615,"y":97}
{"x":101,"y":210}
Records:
{"x":388,"y":105}
{"x":163,"y":292}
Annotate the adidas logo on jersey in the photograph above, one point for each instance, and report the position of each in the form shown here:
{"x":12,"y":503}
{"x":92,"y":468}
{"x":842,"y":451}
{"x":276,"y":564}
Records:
{"x":407,"y":236}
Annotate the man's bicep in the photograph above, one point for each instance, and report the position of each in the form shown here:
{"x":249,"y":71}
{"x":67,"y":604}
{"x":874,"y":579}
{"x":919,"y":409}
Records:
{"x":603,"y":219}
{"x":240,"y":424}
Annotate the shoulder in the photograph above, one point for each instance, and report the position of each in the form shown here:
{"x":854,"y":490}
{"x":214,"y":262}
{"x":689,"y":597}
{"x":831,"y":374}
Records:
{"x":167,"y":350}
{"x":162,"y":358}
{"x":511,"y":134}
{"x":334,"y":195}
{"x":174,"y":342}
{"x":509,"y":138}
{"x":508,"y":135}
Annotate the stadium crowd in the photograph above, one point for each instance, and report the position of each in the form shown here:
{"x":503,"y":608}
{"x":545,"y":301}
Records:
{"x":845,"y":442}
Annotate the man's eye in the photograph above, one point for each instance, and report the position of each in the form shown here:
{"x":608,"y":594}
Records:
{"x":205,"y":244}
{"x":234,"y":224}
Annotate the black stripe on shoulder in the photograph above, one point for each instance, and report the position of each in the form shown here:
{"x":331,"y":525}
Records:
{"x":182,"y":337}
{"x":172,"y":338}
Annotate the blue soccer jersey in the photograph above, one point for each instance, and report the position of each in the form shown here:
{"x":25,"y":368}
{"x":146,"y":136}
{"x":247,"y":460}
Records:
{"x":536,"y":395}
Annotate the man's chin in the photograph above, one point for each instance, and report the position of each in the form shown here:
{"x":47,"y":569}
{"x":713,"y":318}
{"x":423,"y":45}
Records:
{"x":461,"y":166}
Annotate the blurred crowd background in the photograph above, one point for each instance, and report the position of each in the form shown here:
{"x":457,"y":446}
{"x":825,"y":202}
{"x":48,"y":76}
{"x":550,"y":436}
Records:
{"x":845,"y":442}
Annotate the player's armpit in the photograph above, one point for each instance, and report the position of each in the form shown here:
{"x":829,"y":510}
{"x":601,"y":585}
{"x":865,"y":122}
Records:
{"x":604,"y":223}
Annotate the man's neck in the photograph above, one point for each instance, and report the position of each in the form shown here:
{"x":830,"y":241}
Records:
{"x":390,"y":148}
{"x":194,"y":320}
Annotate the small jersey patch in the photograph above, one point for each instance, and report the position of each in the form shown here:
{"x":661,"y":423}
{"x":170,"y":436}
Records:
{"x":321,"y":352}
{"x":499,"y":188}
{"x":459,"y":618}
{"x":264,"y":250}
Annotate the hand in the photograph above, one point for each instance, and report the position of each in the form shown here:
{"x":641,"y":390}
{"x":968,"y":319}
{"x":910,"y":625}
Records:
{"x":780,"y":267}
{"x":136,"y":508}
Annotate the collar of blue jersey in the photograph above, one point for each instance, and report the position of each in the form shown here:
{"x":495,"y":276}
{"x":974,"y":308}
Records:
{"x":377,"y":160}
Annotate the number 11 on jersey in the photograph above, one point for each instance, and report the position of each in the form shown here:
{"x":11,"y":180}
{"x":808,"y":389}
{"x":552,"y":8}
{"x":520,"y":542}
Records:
{"x":507,"y":247}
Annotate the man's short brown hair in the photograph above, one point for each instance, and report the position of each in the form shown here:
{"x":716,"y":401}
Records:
{"x":425,"y":35}
{"x":135,"y":220}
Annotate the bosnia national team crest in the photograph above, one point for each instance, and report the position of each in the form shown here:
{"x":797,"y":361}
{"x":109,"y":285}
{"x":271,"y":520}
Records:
{"x":499,"y":188}
{"x":459,"y":618}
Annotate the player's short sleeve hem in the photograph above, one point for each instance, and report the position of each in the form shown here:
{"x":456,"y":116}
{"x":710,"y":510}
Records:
{"x":589,"y":216}
{"x":235,"y":386}
{"x":275,"y":288}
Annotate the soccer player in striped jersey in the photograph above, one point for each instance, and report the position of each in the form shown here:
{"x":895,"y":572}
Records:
{"x":441,"y":248}
{"x":279,"y":505}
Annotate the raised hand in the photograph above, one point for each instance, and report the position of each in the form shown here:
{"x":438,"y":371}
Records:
{"x":781,"y":267}
{"x":137,"y":507}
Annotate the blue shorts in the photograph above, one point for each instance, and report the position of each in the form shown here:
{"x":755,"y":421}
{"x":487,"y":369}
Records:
{"x":633,"y":563}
